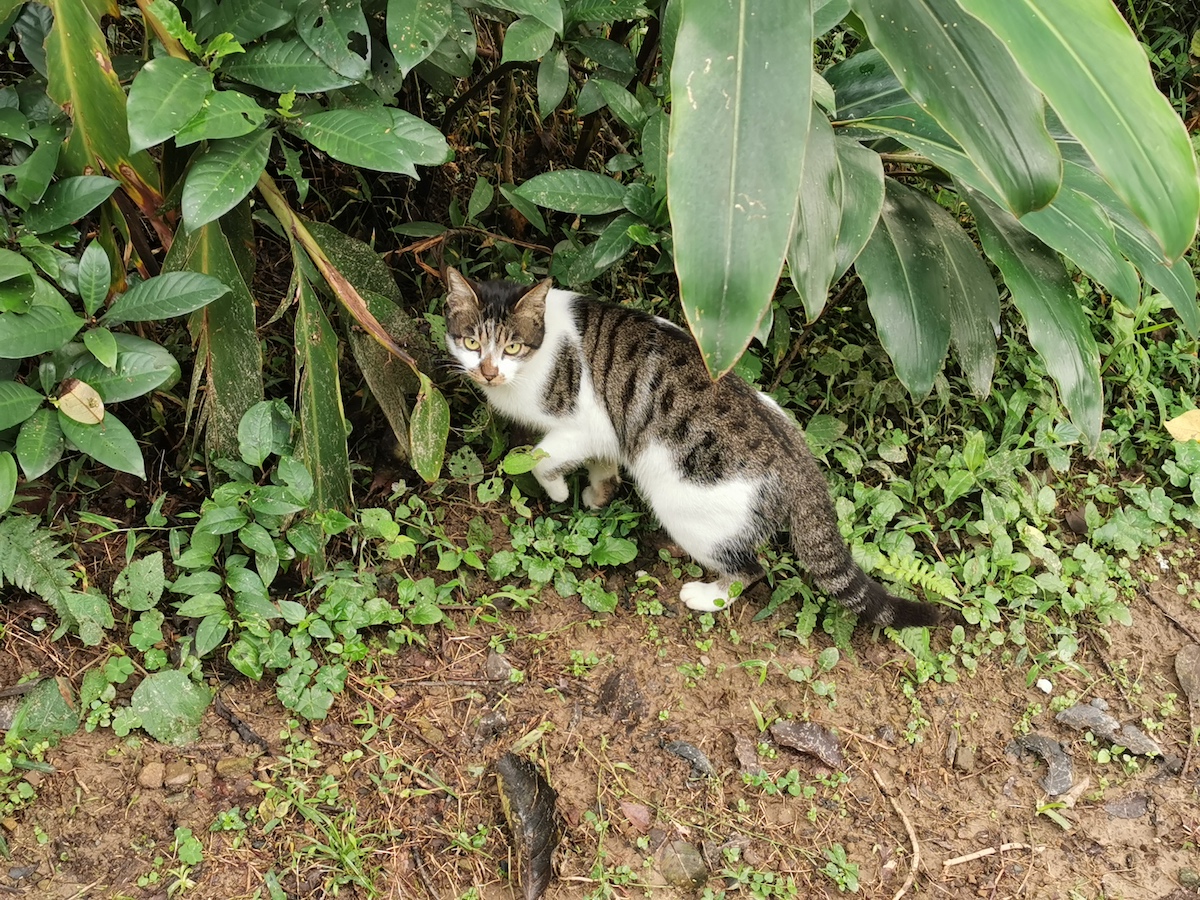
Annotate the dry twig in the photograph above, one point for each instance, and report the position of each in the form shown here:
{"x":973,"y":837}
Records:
{"x":988,"y":851}
{"x":912,"y":835}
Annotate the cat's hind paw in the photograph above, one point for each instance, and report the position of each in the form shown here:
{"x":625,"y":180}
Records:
{"x":598,"y":495}
{"x":705,"y":597}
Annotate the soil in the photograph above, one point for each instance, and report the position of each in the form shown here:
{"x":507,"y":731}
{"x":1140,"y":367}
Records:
{"x":404,"y":766}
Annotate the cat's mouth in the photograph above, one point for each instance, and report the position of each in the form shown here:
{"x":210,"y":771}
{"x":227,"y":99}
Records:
{"x":484,"y":381}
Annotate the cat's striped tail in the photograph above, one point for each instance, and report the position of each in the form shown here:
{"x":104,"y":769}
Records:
{"x":820,"y":548}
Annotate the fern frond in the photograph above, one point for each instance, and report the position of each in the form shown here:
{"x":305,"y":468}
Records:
{"x":915,"y":571}
{"x":34,"y":560}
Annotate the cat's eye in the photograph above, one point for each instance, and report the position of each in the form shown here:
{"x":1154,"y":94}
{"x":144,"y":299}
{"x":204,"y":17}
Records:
{"x":514,"y":348}
{"x":471,"y":343}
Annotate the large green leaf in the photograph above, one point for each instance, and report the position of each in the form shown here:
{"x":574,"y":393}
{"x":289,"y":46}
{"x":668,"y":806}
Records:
{"x":415,"y":28}
{"x":68,"y":200}
{"x":902,"y":267}
{"x":553,"y":78}
{"x":222,"y":114}
{"x":527,"y":39}
{"x":811,"y":257}
{"x":862,"y":199}
{"x":228,"y":352}
{"x":246,"y":20}
{"x":281,"y":66}
{"x":428,"y":431}
{"x":828,"y":13}
{"x":548,"y":11}
{"x":17,"y":403}
{"x":170,"y":706}
{"x":164,"y":95}
{"x":336,"y":30}
{"x":732,"y":194}
{"x":380,"y":138}
{"x":965,"y":78}
{"x":142,"y":366}
{"x":94,"y":277}
{"x":574,"y":191}
{"x":16,"y":282}
{"x":322,"y":443}
{"x":603,"y":10}
{"x":39,"y":443}
{"x":222,"y":175}
{"x":48,"y":325}
{"x":1043,"y":292}
{"x":164,"y":296}
{"x":108,"y":442}
{"x":1082,"y":55}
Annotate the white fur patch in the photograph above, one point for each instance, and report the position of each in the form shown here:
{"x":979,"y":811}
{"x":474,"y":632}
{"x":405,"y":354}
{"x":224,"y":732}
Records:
{"x":705,"y":597}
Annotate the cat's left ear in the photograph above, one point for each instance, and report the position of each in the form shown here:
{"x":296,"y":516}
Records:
{"x":460,"y":296}
{"x":533,"y":302}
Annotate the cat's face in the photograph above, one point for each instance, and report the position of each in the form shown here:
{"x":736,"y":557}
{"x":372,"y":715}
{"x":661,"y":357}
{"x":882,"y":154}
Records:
{"x":492,"y":329}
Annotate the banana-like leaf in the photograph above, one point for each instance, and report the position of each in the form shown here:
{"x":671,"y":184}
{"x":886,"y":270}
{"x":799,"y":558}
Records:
{"x":228,"y":352}
{"x":1083,"y":56}
{"x":862,"y":199}
{"x":902,"y":269}
{"x":322,"y":443}
{"x":428,"y":430}
{"x":732,"y":194}
{"x":958,"y":71}
{"x":811,"y":259}
{"x":1043,"y":292}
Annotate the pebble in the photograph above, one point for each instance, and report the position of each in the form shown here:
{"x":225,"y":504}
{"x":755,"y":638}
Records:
{"x":683,"y":865}
{"x":178,"y":774}
{"x":1044,"y":685}
{"x":234,"y":766}
{"x":151,"y":776}
{"x":1092,"y":718}
{"x":496,"y":667}
{"x":1187,"y":667}
{"x":1060,"y":773}
{"x":1131,"y":806}
{"x":964,"y":758}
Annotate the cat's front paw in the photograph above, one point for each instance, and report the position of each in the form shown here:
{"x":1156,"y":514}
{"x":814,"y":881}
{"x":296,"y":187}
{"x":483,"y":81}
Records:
{"x":557,"y":490}
{"x":704,"y":597}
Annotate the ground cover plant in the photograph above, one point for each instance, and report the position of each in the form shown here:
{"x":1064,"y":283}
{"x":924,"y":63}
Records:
{"x":283,"y":594}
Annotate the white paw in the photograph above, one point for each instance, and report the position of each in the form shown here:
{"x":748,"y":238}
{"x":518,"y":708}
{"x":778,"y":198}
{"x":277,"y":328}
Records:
{"x":704,"y":597}
{"x":589,"y":498}
{"x":557,"y":490}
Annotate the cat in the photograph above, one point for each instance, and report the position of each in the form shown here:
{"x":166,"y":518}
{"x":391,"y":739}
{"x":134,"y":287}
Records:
{"x":720,"y":464}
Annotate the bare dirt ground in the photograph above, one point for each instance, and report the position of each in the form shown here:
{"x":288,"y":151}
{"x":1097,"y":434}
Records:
{"x":398,"y":783}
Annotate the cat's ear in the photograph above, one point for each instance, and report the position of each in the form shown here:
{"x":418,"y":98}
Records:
{"x":533,"y":302}
{"x":461,"y":298}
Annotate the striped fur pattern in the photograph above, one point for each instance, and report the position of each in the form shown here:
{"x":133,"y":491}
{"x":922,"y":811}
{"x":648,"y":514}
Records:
{"x":611,"y":388}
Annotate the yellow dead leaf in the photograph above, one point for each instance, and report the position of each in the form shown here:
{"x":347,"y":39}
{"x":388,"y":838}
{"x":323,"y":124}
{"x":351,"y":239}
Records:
{"x":1185,"y":427}
{"x":79,"y":401}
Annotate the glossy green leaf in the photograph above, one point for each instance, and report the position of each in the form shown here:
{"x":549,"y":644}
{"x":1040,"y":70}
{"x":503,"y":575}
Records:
{"x":263,"y":431}
{"x":336,"y":30}
{"x":574,"y":191}
{"x":455,"y":55}
{"x":603,"y":11}
{"x":108,"y":442}
{"x":8,"y":480}
{"x":48,"y":325}
{"x":322,"y":440}
{"x":862,"y":199}
{"x":549,"y":12}
{"x":606,"y":54}
{"x":222,"y":114}
{"x":811,"y":259}
{"x":94,"y":277}
{"x":902,"y":268}
{"x":246,"y":20}
{"x":17,"y":403}
{"x":380,"y":138}
{"x":39,"y":443}
{"x":284,"y":65}
{"x":102,"y":345}
{"x":228,"y":351}
{"x":827,"y":14}
{"x":428,"y":431}
{"x":164,"y":95}
{"x":415,"y":28}
{"x":1058,"y":328}
{"x":141,"y":366}
{"x":67,"y":201}
{"x":733,"y":194}
{"x":16,"y":282}
{"x":553,"y":78}
{"x":622,"y":104}
{"x":1082,"y":55}
{"x":481,"y":198}
{"x":964,"y":77}
{"x":527,"y":39}
{"x":164,"y":296}
{"x":222,"y":175}
{"x":523,"y":206}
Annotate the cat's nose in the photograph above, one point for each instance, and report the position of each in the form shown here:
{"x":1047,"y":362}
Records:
{"x":489,"y":370}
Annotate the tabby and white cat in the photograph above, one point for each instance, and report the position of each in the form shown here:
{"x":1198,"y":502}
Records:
{"x":720,"y":464}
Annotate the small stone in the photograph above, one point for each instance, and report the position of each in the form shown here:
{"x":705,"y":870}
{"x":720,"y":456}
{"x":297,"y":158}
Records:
{"x":964,"y":758}
{"x":682,"y":865}
{"x":234,"y":766}
{"x":1187,"y":668}
{"x":1100,"y":703}
{"x":810,"y":738}
{"x":204,"y":776}
{"x":1131,"y":806}
{"x":1060,"y":773}
{"x":496,"y":667}
{"x":746,"y":752}
{"x":151,"y":776}
{"x":1189,"y":878}
{"x":178,"y":774}
{"x":21,"y":872}
{"x":1044,"y":685}
{"x":491,"y":724}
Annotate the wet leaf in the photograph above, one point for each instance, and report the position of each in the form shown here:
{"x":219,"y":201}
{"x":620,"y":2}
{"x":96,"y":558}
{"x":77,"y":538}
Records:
{"x":528,"y":803}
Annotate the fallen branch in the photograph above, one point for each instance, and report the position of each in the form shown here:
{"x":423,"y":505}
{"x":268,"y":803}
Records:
{"x":988,"y":851}
{"x":912,"y":836}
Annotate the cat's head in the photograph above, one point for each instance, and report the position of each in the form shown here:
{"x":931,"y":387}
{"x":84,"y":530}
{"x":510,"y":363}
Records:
{"x":493,"y":327}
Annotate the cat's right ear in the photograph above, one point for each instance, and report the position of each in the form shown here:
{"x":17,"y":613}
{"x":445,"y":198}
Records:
{"x":461,"y":298}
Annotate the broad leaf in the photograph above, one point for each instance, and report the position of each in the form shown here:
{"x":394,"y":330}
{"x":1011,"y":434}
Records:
{"x":48,"y":325}
{"x":94,"y":277}
{"x":102,"y":345}
{"x":428,"y":431}
{"x":17,"y":403}
{"x":222,"y":175}
{"x":827,"y":14}
{"x":380,"y":138}
{"x":548,"y":11}
{"x":68,"y":200}
{"x":223,"y":114}
{"x":902,"y":269}
{"x":8,"y":480}
{"x":263,"y":431}
{"x":109,"y":443}
{"x":79,"y":402}
{"x":574,"y":191}
{"x":164,"y":95}
{"x":164,"y":296}
{"x":733,"y":194}
{"x":170,"y":706}
{"x":603,"y":11}
{"x":553,"y":78}
{"x":333,"y":29}
{"x":17,"y":281}
{"x":811,"y":259}
{"x":1043,"y":292}
{"x":415,"y":28}
{"x":246,"y":20}
{"x":39,"y":443}
{"x":142,"y":366}
{"x":862,"y":199}
{"x":282,"y":66}
{"x":965,"y":78}
{"x":1082,"y":55}
{"x":527,"y":39}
